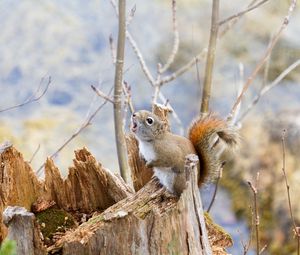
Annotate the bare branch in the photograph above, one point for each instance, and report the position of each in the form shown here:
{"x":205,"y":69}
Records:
{"x":210,"y":59}
{"x":295,"y":228}
{"x":84,"y":125}
{"x":112,"y":49}
{"x":263,"y":249}
{"x":127,"y":93}
{"x":232,"y":22}
{"x":234,"y":119}
{"x":239,"y":14}
{"x":35,"y":152}
{"x":264,"y":58}
{"x":216,"y":187}
{"x":102,"y":94}
{"x":255,"y":191}
{"x":131,"y":15}
{"x":140,"y":58}
{"x":118,"y":115}
{"x":35,"y":97}
{"x":246,"y":246}
{"x":267,"y":88}
{"x":166,"y":102}
{"x":175,"y":42}
{"x":184,"y":68}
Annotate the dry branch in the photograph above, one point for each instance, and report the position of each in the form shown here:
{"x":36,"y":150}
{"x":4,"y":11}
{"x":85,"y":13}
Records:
{"x":264,"y":58}
{"x":84,"y":125}
{"x":35,"y":97}
{"x":295,"y":228}
{"x":102,"y":94}
{"x":239,"y":14}
{"x":175,"y":42}
{"x":118,"y":114}
{"x":255,"y":192}
{"x":210,"y":59}
{"x":268,"y":87}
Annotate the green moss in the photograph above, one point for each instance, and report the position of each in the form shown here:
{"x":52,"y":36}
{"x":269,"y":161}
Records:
{"x":53,"y":220}
{"x":94,"y":220}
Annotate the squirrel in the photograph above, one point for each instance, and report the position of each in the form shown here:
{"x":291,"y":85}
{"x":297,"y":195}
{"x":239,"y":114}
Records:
{"x":165,"y":152}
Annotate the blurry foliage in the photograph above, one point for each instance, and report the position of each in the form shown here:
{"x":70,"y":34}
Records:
{"x":8,"y":247}
{"x":261,"y":152}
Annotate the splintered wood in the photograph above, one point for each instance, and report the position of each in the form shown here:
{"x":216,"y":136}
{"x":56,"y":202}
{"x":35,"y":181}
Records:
{"x":150,"y":221}
{"x":89,"y":187}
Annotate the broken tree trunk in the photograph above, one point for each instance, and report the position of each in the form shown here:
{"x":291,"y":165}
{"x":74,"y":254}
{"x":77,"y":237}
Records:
{"x":150,"y":221}
{"x":23,"y":229}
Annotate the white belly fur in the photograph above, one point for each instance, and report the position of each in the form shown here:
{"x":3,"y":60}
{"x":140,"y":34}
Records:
{"x":146,"y":149}
{"x":165,"y":176}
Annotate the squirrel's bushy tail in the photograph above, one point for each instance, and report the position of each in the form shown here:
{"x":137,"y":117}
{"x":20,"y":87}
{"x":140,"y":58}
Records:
{"x":210,"y":136}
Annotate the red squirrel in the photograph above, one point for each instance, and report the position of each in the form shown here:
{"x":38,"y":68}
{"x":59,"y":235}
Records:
{"x":165,"y":152}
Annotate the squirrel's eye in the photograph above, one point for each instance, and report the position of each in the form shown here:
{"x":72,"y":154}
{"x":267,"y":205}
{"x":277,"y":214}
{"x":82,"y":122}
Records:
{"x":149,"y":121}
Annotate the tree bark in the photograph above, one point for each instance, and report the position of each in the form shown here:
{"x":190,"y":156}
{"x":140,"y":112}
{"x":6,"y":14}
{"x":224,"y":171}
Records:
{"x":23,"y":229}
{"x":150,"y":221}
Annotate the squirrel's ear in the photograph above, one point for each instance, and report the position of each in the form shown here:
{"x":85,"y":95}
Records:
{"x":166,"y":125}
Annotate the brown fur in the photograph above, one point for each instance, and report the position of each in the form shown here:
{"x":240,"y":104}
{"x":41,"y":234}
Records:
{"x":171,"y":149}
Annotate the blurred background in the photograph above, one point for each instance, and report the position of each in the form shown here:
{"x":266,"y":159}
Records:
{"x":69,"y":41}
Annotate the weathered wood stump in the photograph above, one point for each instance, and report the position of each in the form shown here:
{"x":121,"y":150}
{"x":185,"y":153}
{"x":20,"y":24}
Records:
{"x":149,"y":221}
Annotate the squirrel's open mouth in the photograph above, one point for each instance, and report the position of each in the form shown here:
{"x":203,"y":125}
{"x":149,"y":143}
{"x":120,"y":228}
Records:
{"x":133,"y":125}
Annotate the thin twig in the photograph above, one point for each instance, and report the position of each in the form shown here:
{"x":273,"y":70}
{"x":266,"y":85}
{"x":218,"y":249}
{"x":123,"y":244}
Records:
{"x":35,"y":152}
{"x":33,"y":98}
{"x":102,"y":94}
{"x":184,"y":68}
{"x":131,"y":15}
{"x":112,"y":49}
{"x":136,"y":49}
{"x":232,"y":22}
{"x":175,"y":42}
{"x":246,"y":246}
{"x":267,"y":88}
{"x":255,"y":192}
{"x":264,"y":58}
{"x":216,"y":187}
{"x":84,"y":125}
{"x":118,"y":84}
{"x":234,"y":119}
{"x":210,"y":59}
{"x":173,"y":112}
{"x":127,"y":102}
{"x":267,"y":68}
{"x":263,"y":249}
{"x":140,"y":58}
{"x":239,"y":14}
{"x":127,"y":93}
{"x":295,"y":228}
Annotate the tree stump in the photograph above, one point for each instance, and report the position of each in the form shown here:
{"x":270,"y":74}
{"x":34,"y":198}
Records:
{"x":121,"y":221}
